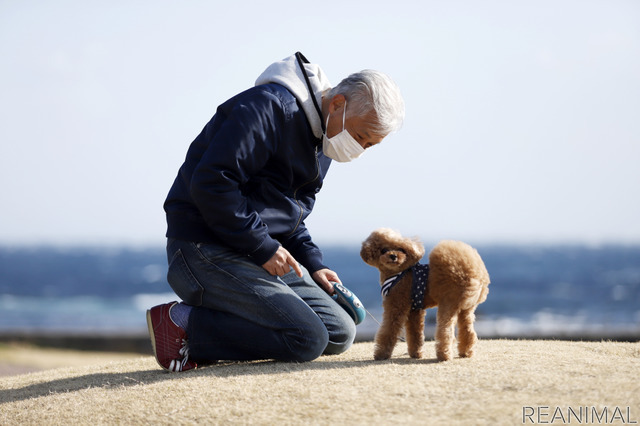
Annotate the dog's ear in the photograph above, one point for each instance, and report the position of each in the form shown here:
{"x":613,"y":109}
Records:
{"x":368,"y":251}
{"x":414,"y":248}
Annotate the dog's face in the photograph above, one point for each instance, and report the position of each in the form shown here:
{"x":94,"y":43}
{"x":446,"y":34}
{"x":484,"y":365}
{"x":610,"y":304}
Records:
{"x":393,"y":258}
{"x":390,"y":252}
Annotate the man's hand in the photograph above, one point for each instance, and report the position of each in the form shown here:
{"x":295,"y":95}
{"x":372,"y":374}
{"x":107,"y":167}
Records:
{"x":281,"y":263}
{"x":323,"y":277}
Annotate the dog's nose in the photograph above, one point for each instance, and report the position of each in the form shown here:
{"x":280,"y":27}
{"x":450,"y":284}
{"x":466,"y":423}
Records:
{"x":393,"y":257}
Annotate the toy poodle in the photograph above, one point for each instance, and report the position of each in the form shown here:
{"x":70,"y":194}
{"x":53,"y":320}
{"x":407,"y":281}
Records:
{"x":455,"y":280}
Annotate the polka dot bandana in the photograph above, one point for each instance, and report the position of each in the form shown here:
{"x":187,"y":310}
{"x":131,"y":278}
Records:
{"x":419,"y":286}
{"x":420,"y":277}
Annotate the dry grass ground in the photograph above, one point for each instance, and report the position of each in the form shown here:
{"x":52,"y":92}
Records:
{"x":494,"y":387}
{"x":18,"y":358}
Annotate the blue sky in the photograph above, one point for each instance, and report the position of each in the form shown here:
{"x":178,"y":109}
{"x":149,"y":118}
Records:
{"x":522,"y":120}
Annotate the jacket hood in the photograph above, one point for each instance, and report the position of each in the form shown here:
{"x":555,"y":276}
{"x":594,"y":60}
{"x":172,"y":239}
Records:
{"x":288,"y":73}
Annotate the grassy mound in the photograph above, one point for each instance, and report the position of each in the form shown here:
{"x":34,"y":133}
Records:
{"x":502,"y":384}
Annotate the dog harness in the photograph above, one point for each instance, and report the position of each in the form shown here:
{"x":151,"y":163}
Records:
{"x":418,"y":286}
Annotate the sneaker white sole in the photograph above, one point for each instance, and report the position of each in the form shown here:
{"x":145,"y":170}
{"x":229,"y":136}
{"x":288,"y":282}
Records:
{"x":153,"y":339}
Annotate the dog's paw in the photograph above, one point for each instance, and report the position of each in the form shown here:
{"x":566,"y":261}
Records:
{"x":415,"y":354}
{"x":467,"y":354}
{"x":380,"y":354}
{"x":443,"y":355}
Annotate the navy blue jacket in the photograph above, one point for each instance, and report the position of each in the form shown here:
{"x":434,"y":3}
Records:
{"x":250,"y":179}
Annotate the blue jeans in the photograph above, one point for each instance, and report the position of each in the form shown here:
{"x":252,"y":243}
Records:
{"x":241,"y":312}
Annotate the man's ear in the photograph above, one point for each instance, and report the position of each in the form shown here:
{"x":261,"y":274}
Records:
{"x":337,"y":103}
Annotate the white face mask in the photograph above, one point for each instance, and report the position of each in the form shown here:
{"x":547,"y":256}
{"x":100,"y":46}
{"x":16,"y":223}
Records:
{"x":342,"y":147}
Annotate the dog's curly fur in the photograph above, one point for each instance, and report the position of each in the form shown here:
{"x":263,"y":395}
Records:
{"x":458,"y":281}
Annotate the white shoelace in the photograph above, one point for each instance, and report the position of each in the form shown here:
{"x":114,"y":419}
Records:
{"x":177,"y":365}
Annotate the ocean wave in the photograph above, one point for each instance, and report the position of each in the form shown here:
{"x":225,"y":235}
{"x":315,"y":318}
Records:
{"x":113,"y":315}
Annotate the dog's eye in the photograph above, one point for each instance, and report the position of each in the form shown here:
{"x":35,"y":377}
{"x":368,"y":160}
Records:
{"x":402,"y":251}
{"x":384,"y":250}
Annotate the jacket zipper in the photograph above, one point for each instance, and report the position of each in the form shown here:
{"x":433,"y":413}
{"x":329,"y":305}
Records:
{"x":295,"y":193}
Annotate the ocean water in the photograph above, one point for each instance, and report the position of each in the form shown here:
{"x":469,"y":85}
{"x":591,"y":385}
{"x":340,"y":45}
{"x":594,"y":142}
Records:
{"x":535,"y":291}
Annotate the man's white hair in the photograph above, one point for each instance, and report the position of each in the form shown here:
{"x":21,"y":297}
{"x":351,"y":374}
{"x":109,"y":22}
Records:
{"x":368,"y":91}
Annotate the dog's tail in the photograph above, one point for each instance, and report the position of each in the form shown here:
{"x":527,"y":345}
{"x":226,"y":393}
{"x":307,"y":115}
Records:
{"x":461,"y":265}
{"x":477,"y":291}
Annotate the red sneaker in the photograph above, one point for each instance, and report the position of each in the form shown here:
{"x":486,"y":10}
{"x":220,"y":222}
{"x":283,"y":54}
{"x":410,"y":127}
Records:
{"x":168,"y":340}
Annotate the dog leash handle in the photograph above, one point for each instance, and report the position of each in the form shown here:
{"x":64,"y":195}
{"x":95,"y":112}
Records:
{"x":349,"y":302}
